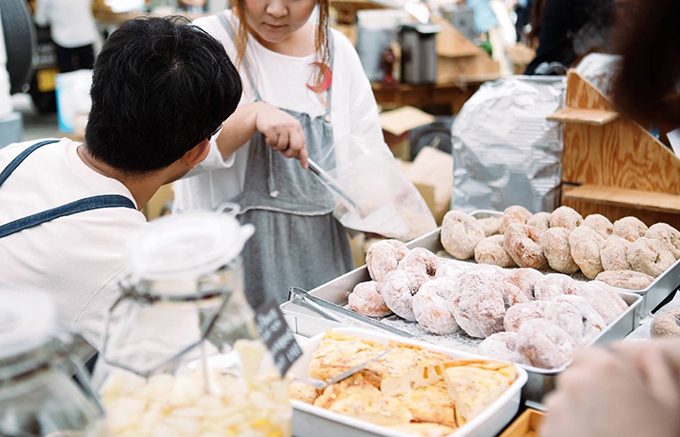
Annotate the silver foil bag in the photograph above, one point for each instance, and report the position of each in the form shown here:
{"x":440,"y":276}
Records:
{"x":505,"y":151}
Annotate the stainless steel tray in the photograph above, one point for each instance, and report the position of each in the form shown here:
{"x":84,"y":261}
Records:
{"x":652,"y":296}
{"x":308,"y":323}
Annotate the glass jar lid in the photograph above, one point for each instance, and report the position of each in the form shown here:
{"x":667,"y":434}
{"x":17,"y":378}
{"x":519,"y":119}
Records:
{"x":27,"y":321}
{"x":185,"y":246}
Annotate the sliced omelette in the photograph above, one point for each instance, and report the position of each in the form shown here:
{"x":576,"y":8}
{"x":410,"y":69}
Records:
{"x":476,"y":384}
{"x":357,"y":398}
{"x":432,"y":404}
{"x":338,"y":353}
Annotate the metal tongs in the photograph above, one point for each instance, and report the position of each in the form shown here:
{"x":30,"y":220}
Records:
{"x":302,"y":298}
{"x":321,"y":384}
{"x":328,"y":181}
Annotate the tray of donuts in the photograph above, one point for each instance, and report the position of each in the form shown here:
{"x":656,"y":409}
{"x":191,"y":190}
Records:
{"x":517,"y":315}
{"x":625,"y":254}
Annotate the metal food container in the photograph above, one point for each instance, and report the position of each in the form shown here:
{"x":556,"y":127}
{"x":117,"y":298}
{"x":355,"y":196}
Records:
{"x":307,"y":323}
{"x":309,"y":419}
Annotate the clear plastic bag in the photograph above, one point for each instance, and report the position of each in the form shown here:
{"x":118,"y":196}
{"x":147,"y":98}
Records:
{"x":373,"y":194}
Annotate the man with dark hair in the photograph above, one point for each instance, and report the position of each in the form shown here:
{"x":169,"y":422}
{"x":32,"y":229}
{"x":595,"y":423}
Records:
{"x":161,"y":88}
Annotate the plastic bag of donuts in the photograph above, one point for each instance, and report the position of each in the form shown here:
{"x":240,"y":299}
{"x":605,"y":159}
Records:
{"x":624,"y":254}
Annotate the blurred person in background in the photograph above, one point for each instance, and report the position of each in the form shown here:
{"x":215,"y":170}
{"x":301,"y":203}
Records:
{"x":633,"y":388}
{"x":567,"y":30}
{"x":73,"y":31}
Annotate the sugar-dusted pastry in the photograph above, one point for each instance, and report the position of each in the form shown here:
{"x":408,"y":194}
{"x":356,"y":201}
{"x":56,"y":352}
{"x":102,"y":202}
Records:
{"x":383,"y":257}
{"x":565,"y":217}
{"x":460,"y":234}
{"x":366,"y":300}
{"x":585,"y":250}
{"x":523,"y":243}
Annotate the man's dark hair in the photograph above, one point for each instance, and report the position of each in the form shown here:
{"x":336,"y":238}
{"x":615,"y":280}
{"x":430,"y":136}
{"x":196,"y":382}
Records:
{"x":160,"y":86}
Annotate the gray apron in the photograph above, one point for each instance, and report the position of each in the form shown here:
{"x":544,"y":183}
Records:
{"x":297,"y":240}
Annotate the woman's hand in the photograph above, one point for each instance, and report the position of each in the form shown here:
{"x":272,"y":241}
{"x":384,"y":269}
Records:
{"x":605,"y":393}
{"x":282,"y":132}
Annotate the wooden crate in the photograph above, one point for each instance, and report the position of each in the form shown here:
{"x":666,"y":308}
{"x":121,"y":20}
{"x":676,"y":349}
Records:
{"x":526,"y":425}
{"x":610,"y":164}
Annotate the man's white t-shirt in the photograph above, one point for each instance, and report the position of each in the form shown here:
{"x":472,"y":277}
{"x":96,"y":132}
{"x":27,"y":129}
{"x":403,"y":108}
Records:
{"x":282,"y":82}
{"x":71,"y":21}
{"x":77,"y":259}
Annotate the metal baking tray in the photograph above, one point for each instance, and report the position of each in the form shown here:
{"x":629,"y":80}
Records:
{"x":307,"y":323}
{"x":652,"y":296}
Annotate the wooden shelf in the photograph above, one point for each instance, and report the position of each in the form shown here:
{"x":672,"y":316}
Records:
{"x":620,"y":197}
{"x":592,"y":117}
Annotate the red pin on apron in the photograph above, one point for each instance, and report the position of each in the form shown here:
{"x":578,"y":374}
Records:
{"x":327,"y":78}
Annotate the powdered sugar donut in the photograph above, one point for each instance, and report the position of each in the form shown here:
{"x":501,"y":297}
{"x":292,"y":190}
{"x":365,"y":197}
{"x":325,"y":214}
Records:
{"x":540,"y":220}
{"x":521,"y":313}
{"x":397,"y":292}
{"x":491,"y":225}
{"x":525,"y":280}
{"x":627,"y":279}
{"x":630,"y":228}
{"x":565,"y":217}
{"x":576,"y":316}
{"x":512,"y":295}
{"x":666,"y":325}
{"x":553,"y":285}
{"x":488,"y":272}
{"x":514,"y":215}
{"x":450,"y":269}
{"x":460,"y":234}
{"x":603,"y":298}
{"x":491,"y":251}
{"x":614,"y":253}
{"x":522,"y":242}
{"x":501,"y":346}
{"x":555,"y":243}
{"x":668,"y":235}
{"x":599,"y":224}
{"x":421,"y":265}
{"x":383,"y":257}
{"x":650,"y":256}
{"x":366,"y":300}
{"x":480,"y":312}
{"x":585,"y":250}
{"x":431,"y":307}
{"x":544,"y":344}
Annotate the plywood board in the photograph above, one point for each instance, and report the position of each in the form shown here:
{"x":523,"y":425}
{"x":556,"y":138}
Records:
{"x":594,"y":117}
{"x":451,"y":43}
{"x":582,"y":94}
{"x":468,"y":69}
{"x":618,"y":154}
{"x":632,"y":199}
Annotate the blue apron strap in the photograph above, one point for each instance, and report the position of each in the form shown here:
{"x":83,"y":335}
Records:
{"x":87,"y":204}
{"x":19,"y":159}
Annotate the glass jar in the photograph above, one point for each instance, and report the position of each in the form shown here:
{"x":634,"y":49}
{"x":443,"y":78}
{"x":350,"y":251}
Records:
{"x":39,"y":395}
{"x":182,"y":355}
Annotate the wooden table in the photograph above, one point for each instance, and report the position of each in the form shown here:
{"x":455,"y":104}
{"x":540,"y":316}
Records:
{"x":422,"y":96}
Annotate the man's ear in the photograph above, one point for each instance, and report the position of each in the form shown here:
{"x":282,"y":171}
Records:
{"x":196,"y":155}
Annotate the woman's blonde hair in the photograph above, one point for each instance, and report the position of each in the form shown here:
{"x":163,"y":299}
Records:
{"x":321,"y":35}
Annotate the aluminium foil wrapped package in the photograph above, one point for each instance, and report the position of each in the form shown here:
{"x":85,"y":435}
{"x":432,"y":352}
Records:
{"x":505,"y":151}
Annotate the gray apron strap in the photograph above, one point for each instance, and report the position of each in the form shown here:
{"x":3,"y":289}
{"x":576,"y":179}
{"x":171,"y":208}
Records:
{"x":82,"y":205}
{"x":232,"y":34}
